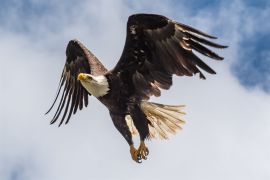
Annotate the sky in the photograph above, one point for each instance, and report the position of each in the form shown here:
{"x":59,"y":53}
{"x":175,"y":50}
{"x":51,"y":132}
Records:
{"x":227,"y":130}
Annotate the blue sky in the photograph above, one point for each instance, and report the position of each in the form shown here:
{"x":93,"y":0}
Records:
{"x":228,"y":128}
{"x":251,"y":67}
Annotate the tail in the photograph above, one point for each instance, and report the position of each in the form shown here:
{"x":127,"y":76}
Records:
{"x":165,"y":120}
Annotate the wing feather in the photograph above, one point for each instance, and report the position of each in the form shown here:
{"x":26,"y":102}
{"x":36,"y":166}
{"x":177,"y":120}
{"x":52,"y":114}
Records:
{"x":62,"y":103}
{"x":70,"y":91}
{"x":61,"y":83}
{"x":187,"y":28}
{"x":74,"y":97}
{"x":203,"y":50}
{"x":78,"y":89}
{"x":204,"y":41}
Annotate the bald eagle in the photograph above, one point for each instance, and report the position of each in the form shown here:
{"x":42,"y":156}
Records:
{"x":155,"y":49}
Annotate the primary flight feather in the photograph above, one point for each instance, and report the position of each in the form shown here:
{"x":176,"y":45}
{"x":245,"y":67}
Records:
{"x":155,"y":49}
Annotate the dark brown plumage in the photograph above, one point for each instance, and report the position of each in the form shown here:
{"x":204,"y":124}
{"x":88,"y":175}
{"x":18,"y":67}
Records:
{"x":155,"y":49}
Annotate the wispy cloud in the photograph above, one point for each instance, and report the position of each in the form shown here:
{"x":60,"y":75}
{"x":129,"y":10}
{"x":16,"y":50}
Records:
{"x":228,"y":128}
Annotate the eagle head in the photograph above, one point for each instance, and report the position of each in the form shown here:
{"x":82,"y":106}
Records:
{"x":98,"y":86}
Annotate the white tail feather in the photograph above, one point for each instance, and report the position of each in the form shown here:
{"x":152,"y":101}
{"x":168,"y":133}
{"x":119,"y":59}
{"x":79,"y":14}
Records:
{"x":165,"y":119}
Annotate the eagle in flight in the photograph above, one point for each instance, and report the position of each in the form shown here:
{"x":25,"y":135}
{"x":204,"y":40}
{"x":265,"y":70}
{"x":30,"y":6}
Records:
{"x":155,"y":49}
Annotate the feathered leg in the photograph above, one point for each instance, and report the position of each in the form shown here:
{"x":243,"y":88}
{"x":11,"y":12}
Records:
{"x":141,"y":123}
{"x":121,"y":125}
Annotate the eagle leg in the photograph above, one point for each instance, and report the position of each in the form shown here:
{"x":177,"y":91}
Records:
{"x":141,"y":123}
{"x":135,"y":155}
{"x":143,"y":150}
{"x":121,"y":125}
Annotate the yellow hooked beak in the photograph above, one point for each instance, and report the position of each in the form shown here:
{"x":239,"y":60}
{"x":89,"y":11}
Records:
{"x":82,"y":76}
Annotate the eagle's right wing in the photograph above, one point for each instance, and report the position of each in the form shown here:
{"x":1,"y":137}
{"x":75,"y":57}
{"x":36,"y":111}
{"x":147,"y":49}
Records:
{"x":79,"y":60}
{"x":156,"y":48}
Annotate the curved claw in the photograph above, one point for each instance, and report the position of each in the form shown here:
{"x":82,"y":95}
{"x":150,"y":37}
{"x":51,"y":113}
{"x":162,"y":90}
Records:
{"x":135,"y":155}
{"x":139,"y":161}
{"x":143,"y":150}
{"x":147,"y":152}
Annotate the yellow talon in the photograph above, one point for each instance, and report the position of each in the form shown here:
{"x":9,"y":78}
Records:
{"x":143,"y":150}
{"x":135,"y":154}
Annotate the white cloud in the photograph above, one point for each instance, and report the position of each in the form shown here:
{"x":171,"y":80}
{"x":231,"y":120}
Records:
{"x":227,"y":130}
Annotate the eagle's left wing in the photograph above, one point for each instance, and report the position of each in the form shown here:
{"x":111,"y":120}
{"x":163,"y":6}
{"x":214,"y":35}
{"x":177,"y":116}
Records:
{"x":78,"y":60}
{"x":156,"y":48}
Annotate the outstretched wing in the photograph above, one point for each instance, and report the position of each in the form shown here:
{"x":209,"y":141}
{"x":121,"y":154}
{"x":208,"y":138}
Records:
{"x":74,"y":96}
{"x":156,"y":48}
